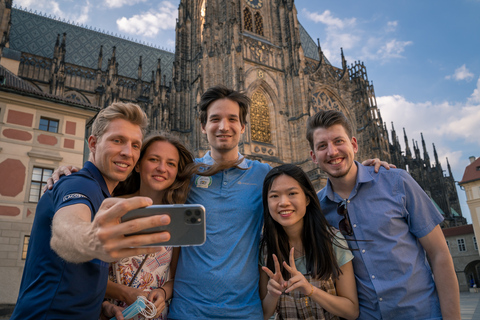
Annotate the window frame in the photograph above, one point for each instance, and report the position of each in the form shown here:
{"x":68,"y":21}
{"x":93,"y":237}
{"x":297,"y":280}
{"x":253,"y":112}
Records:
{"x":40,"y":183}
{"x":49,"y":125}
{"x":461,"y":243}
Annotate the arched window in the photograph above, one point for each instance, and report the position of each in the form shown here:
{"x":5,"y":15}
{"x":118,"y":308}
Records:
{"x":258,"y":24}
{"x":247,"y":19}
{"x":260,"y":118}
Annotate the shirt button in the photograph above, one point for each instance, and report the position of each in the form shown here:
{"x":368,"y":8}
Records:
{"x":381,"y":299}
{"x":373,"y":277}
{"x":355,"y":225}
{"x":363,"y":251}
{"x":224,"y":183}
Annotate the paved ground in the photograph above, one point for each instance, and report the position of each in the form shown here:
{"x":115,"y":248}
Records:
{"x":469,"y":305}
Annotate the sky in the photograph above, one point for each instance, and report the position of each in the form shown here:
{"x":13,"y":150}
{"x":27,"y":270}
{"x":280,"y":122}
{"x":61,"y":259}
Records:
{"x":423,"y":57}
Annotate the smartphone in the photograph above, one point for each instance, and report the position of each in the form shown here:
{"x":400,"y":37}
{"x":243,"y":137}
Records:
{"x":187,"y":226}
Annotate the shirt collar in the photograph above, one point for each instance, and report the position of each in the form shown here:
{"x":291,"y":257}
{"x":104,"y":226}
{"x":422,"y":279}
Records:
{"x":97,"y":175}
{"x":363,"y":176}
{"x":208,"y":160}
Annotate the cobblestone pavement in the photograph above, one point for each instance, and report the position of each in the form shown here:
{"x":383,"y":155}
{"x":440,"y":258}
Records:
{"x":469,"y":307}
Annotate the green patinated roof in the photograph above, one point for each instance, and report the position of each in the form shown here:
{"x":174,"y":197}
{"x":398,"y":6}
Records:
{"x":310,"y":48}
{"x":438,"y":208}
{"x":36,"y":34}
{"x":454,"y":213}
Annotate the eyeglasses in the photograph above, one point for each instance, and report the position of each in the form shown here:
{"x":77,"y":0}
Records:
{"x":344,"y":224}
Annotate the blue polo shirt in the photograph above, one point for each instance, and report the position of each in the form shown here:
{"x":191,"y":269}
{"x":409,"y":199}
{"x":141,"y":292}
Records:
{"x":388,"y":212}
{"x":52,"y":288}
{"x":219,"y":280}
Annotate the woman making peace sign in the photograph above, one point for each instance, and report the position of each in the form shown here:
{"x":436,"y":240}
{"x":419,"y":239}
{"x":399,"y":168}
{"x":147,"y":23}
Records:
{"x":312,"y":275}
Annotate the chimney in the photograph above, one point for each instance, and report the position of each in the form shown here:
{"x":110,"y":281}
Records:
{"x":471,"y":158}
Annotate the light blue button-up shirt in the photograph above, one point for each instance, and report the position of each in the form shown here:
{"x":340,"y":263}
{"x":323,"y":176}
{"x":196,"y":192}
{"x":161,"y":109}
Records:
{"x":388,"y":213}
{"x":219,"y":280}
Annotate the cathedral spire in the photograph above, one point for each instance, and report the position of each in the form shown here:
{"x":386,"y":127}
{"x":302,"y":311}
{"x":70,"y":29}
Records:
{"x":426,"y":158}
{"x":158,"y":75}
{"x":100,"y":58}
{"x":140,"y":69}
{"x":320,"y":52}
{"x":344,"y":63}
{"x":449,"y":169}
{"x":56,"y":51}
{"x":437,"y":163}
{"x":408,"y":153}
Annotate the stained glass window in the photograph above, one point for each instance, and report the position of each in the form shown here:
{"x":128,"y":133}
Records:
{"x":260,"y":118}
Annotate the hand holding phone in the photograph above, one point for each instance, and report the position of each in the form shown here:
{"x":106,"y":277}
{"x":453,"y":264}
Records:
{"x":187,"y":226}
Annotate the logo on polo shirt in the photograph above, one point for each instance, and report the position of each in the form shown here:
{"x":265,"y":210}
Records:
{"x":73,"y":196}
{"x":203,"y":182}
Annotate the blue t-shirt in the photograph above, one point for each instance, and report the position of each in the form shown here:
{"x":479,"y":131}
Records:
{"x":52,"y":288}
{"x":219,"y":280}
{"x":388,"y":213}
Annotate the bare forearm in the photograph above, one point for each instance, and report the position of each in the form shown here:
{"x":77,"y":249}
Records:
{"x":339,"y":306}
{"x":447,"y":287}
{"x":168,"y":287}
{"x":269,"y":304}
{"x":118,"y":292}
{"x":70,"y":239}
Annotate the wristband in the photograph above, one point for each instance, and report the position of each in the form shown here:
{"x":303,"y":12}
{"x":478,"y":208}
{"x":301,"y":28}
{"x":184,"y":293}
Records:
{"x":165,"y":292}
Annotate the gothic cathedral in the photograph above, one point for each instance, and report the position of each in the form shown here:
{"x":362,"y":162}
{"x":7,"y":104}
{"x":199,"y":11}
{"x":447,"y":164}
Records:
{"x":255,"y":46}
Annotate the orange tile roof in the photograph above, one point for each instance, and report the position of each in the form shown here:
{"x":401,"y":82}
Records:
{"x":457,"y":231}
{"x":472,"y":172}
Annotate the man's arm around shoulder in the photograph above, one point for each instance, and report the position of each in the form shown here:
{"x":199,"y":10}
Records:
{"x":444,"y":273}
{"x":77,"y":239}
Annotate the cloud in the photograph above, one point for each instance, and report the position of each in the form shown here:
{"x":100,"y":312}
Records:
{"x":393,"y":49}
{"x":121,"y":3}
{"x":53,"y":7}
{"x":355,"y":36}
{"x":149,"y":24}
{"x":460,"y":74}
{"x":327,"y":19}
{"x":475,"y":97}
{"x":453,"y":127}
{"x":391,"y":26}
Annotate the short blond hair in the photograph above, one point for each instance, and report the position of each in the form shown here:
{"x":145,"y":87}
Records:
{"x":119,"y":110}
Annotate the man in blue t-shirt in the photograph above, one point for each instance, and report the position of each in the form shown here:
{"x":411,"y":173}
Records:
{"x":219,"y":280}
{"x":76,"y":230}
{"x":391,"y":226}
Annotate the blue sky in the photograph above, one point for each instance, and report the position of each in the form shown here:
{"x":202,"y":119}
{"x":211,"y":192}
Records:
{"x":422,"y":56}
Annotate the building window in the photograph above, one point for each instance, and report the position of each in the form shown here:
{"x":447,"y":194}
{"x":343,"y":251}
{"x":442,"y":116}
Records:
{"x":475,"y":243}
{"x":39,"y":180}
{"x":258,"y":24}
{"x":260,"y":118}
{"x":47,"y":124}
{"x":247,"y":18}
{"x":26,"y":239}
{"x":461,"y":245}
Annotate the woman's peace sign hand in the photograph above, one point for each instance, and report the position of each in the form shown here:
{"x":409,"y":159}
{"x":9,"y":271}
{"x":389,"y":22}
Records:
{"x":276,"y":285}
{"x":297,"y":280}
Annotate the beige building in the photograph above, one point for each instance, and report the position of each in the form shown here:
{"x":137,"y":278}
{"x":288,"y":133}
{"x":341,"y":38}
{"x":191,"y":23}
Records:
{"x":471,"y":184}
{"x":38,"y":133}
{"x":463,"y":247}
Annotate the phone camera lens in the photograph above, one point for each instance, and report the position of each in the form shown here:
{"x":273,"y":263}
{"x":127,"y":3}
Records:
{"x":188,"y":213}
{"x":193,"y":220}
{"x":197,"y":213}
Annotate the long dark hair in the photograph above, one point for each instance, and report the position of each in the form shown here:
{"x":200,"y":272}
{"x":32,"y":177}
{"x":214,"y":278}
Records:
{"x":178,"y":191}
{"x":317,"y":235}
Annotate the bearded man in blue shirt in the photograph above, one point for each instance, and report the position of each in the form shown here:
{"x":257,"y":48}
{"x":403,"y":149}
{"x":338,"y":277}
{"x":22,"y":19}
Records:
{"x":391,"y":226}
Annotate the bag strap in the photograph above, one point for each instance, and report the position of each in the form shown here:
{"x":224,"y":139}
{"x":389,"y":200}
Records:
{"x":138,"y":270}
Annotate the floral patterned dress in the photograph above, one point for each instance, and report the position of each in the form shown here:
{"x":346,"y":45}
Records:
{"x":154,"y":273}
